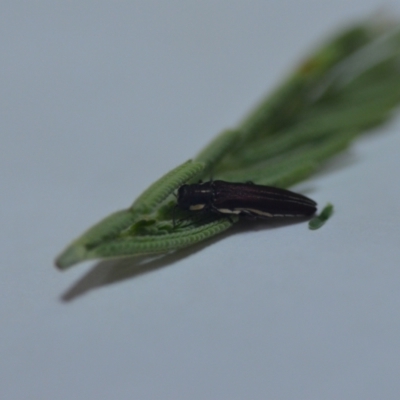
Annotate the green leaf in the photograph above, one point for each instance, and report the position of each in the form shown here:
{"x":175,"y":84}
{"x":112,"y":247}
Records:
{"x":161,"y":189}
{"x":318,"y":221}
{"x":346,"y":87}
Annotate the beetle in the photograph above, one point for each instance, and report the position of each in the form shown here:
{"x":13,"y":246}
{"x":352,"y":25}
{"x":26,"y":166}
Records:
{"x":249,"y":199}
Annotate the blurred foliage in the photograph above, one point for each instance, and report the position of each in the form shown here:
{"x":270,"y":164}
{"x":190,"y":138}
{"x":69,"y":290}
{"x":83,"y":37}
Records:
{"x":347,"y":86}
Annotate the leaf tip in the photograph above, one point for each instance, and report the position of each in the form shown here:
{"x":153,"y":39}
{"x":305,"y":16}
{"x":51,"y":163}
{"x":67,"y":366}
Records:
{"x":70,"y":256}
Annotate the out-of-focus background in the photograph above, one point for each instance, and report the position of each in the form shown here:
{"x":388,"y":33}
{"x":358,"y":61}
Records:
{"x":99,"y":99}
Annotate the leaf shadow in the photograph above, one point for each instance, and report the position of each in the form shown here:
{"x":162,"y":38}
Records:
{"x":107,"y":272}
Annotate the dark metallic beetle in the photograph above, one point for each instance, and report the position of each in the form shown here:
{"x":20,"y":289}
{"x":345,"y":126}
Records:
{"x":244,"y":199}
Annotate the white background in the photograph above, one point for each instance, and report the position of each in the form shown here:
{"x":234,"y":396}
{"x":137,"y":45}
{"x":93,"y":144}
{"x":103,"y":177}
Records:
{"x":99,"y":99}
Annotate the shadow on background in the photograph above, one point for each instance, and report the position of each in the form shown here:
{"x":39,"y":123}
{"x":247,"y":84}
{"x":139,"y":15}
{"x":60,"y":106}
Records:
{"x":115,"y":270}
